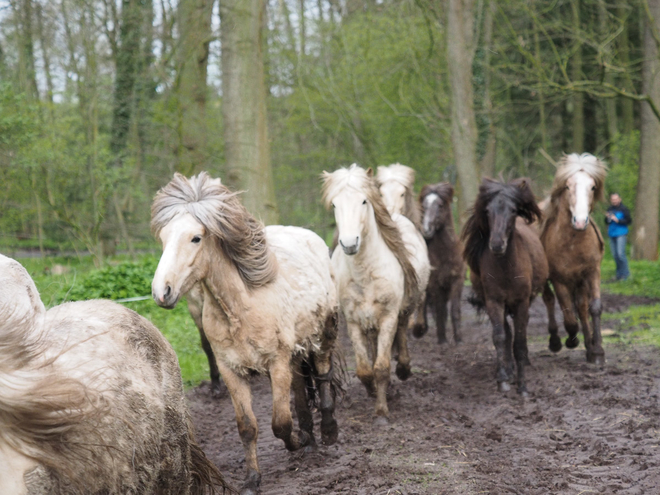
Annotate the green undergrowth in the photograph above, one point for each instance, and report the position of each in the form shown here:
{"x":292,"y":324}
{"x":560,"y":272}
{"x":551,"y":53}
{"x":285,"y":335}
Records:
{"x":66,"y":279}
{"x":644,"y":322}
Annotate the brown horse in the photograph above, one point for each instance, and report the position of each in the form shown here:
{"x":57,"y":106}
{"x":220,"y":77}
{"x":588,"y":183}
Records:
{"x":574,"y":248}
{"x":508,"y":267}
{"x":447,"y":267}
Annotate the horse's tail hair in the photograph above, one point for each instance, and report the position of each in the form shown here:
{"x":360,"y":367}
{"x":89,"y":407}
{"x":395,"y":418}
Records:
{"x":337,"y":377}
{"x":205,"y":476}
{"x":477,"y":302}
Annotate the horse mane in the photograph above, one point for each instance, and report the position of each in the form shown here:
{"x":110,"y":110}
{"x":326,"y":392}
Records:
{"x":476,"y":232}
{"x":569,"y":166}
{"x":406,"y":177}
{"x":358,"y":179}
{"x":219,"y":210}
{"x":443,"y":189}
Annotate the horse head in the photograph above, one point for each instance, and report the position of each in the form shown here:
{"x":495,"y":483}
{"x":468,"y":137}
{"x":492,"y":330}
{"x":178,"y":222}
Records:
{"x":20,"y":303}
{"x":436,"y":201}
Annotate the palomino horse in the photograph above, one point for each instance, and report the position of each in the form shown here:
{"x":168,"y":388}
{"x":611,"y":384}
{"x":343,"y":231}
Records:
{"x":381,"y":271}
{"x":574,"y":247}
{"x":91,"y":400}
{"x":395,"y":183}
{"x":445,"y":255}
{"x":270,"y":304}
{"x":507,"y":267}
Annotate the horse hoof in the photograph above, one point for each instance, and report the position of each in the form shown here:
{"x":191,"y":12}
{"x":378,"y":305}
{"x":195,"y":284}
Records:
{"x":555,"y":343}
{"x":381,"y":421}
{"x":419,"y":330}
{"x":523,"y":392}
{"x":458,"y":340}
{"x":310,"y":449}
{"x":442,"y":341}
{"x":329,"y":432}
{"x":403,"y":371}
{"x":217,"y":391}
{"x":597,"y":359}
{"x":572,"y":342}
{"x":503,"y":386}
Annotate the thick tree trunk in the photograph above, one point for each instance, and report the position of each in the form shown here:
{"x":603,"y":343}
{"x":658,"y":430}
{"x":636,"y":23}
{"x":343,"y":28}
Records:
{"x":610,"y":103}
{"x":192,"y":57}
{"x":244,"y":106}
{"x":627,"y":105}
{"x":487,"y":164}
{"x":645,"y":239}
{"x":460,"y":25}
{"x":576,"y":75}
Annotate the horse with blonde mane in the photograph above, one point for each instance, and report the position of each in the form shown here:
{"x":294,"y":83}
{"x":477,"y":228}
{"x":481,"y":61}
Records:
{"x":91,"y":401}
{"x":574,"y":247}
{"x":381,"y":271}
{"x":270,"y":305}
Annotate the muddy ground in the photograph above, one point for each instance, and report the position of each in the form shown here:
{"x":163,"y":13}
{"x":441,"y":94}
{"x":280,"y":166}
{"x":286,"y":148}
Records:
{"x":584,"y":429}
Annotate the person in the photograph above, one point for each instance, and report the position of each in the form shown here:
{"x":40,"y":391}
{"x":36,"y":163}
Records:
{"x":618,"y":218}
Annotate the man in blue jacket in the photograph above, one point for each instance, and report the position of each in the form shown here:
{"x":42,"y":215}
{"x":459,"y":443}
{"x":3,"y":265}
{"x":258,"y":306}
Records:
{"x":618,"y":218}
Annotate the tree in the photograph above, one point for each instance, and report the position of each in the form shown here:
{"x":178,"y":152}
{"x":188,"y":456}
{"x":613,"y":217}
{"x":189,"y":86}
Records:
{"x":645,"y":240}
{"x":247,"y":149}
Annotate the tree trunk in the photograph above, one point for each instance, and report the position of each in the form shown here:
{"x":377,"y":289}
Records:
{"x":610,"y":103}
{"x":195,"y":35}
{"x":645,"y":239}
{"x":460,"y":25}
{"x":576,"y":75}
{"x":244,"y":106}
{"x":627,"y":104}
{"x":22,"y":10}
{"x":45,"y":55}
{"x":487,"y":165}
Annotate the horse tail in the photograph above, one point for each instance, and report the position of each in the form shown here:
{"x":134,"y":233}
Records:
{"x":205,"y":476}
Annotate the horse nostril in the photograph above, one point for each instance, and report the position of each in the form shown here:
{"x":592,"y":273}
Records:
{"x":168,"y":291}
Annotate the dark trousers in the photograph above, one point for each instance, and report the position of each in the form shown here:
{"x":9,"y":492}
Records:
{"x":618,"y":245}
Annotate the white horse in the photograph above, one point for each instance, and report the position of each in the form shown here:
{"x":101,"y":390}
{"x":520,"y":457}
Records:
{"x":381,"y":270}
{"x":270,"y":304}
{"x":91,"y":400}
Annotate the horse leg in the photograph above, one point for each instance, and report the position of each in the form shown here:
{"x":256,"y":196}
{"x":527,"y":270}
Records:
{"x":582,"y":303}
{"x":403,"y":356}
{"x":324,"y":380}
{"x":282,"y":424}
{"x":248,"y":430}
{"x":553,"y":329}
{"x":419,"y":331}
{"x":363,"y":366}
{"x":386,"y":335}
{"x":301,"y":402}
{"x":508,"y":347}
{"x":455,"y":299}
{"x":520,"y":320}
{"x":496,"y":315}
{"x":195,"y":307}
{"x":595,"y":310}
{"x":441,"y":299}
{"x":570,"y":322}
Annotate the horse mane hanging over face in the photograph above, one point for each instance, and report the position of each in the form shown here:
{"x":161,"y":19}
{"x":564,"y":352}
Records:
{"x":219,"y":210}
{"x":361,"y":180}
{"x":569,"y":166}
{"x":443,"y":189}
{"x":476,"y":232}
{"x":406,"y":177}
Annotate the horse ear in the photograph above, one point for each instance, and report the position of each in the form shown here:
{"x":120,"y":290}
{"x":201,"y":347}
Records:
{"x":370,"y":172}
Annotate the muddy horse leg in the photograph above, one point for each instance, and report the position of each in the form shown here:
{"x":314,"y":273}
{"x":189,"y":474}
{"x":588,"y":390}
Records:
{"x":363,"y":366}
{"x":403,"y":356}
{"x":582,"y":303}
{"x":300,"y":370}
{"x":520,"y":320}
{"x":280,"y":382}
{"x":553,"y":329}
{"x":455,"y":300}
{"x":248,"y":430}
{"x":422,"y":314}
{"x":496,"y":315}
{"x":570,"y":322}
{"x":195,"y":305}
{"x":386,"y":334}
{"x":324,"y":380}
{"x":595,"y":310}
{"x":441,"y":299}
{"x":508,"y":347}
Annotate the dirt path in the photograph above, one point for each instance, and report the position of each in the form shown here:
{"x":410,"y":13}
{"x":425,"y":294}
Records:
{"x":584,"y":429}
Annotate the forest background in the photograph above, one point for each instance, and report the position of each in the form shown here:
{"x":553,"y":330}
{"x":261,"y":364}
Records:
{"x":101,"y":101}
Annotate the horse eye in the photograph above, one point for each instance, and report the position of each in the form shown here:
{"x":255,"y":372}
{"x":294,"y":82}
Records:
{"x":196,"y":239}
{"x":333,"y":205}
{"x":593,"y":188}
{"x":403,"y":194}
{"x":364,"y":202}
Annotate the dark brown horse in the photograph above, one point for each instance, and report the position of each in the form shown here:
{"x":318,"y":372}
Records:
{"x":508,"y":267}
{"x":574,"y":247}
{"x":447,"y":267}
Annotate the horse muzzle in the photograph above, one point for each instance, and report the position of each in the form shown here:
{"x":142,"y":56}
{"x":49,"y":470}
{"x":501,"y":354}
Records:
{"x":167,"y":299}
{"x":350,"y":249}
{"x":579,"y":224}
{"x":498,"y":249}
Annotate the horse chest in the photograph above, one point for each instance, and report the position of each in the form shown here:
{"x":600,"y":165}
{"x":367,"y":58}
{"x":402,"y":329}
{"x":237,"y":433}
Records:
{"x":366,"y":304}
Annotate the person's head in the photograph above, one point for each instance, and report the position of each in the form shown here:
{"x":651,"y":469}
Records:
{"x":615,"y":199}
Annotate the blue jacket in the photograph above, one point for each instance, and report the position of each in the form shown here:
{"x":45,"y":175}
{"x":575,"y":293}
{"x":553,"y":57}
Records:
{"x":615,"y":229}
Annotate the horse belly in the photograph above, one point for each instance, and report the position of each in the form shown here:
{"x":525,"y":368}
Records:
{"x":13,"y":466}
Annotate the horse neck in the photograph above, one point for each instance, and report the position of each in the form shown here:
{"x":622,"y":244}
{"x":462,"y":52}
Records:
{"x":563,"y":212}
{"x":225,"y":285}
{"x":372,"y":244}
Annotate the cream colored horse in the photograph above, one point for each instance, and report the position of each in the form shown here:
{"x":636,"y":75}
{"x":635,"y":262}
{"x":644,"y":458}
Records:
{"x":91,"y":400}
{"x":395,"y":183}
{"x":270,"y":303}
{"x":381,"y":270}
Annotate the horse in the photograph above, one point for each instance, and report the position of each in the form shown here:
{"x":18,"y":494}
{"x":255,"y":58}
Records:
{"x":270,"y":305}
{"x":381,"y":273}
{"x":507,"y":268}
{"x":445,"y":254}
{"x":91,"y":400}
{"x":574,"y":248}
{"x":395,"y":183}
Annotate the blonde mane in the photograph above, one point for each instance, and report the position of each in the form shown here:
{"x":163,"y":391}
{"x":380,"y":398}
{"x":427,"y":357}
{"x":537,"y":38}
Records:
{"x":358,"y":179}
{"x":569,"y":166}
{"x":406,"y":177}
{"x":219,"y":210}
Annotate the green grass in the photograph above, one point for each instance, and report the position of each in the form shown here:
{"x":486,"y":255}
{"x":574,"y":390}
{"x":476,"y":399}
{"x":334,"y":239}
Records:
{"x":645,"y":320}
{"x":644,"y":279}
{"x":123,"y":278}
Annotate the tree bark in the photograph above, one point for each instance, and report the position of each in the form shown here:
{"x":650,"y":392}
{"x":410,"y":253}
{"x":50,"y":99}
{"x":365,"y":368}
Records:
{"x":576,"y":75}
{"x":487,"y":164}
{"x":610,"y":103}
{"x":645,"y":239}
{"x":244,"y":106}
{"x":627,"y":104}
{"x":460,"y":26}
{"x":22,"y":10}
{"x":192,"y":57}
